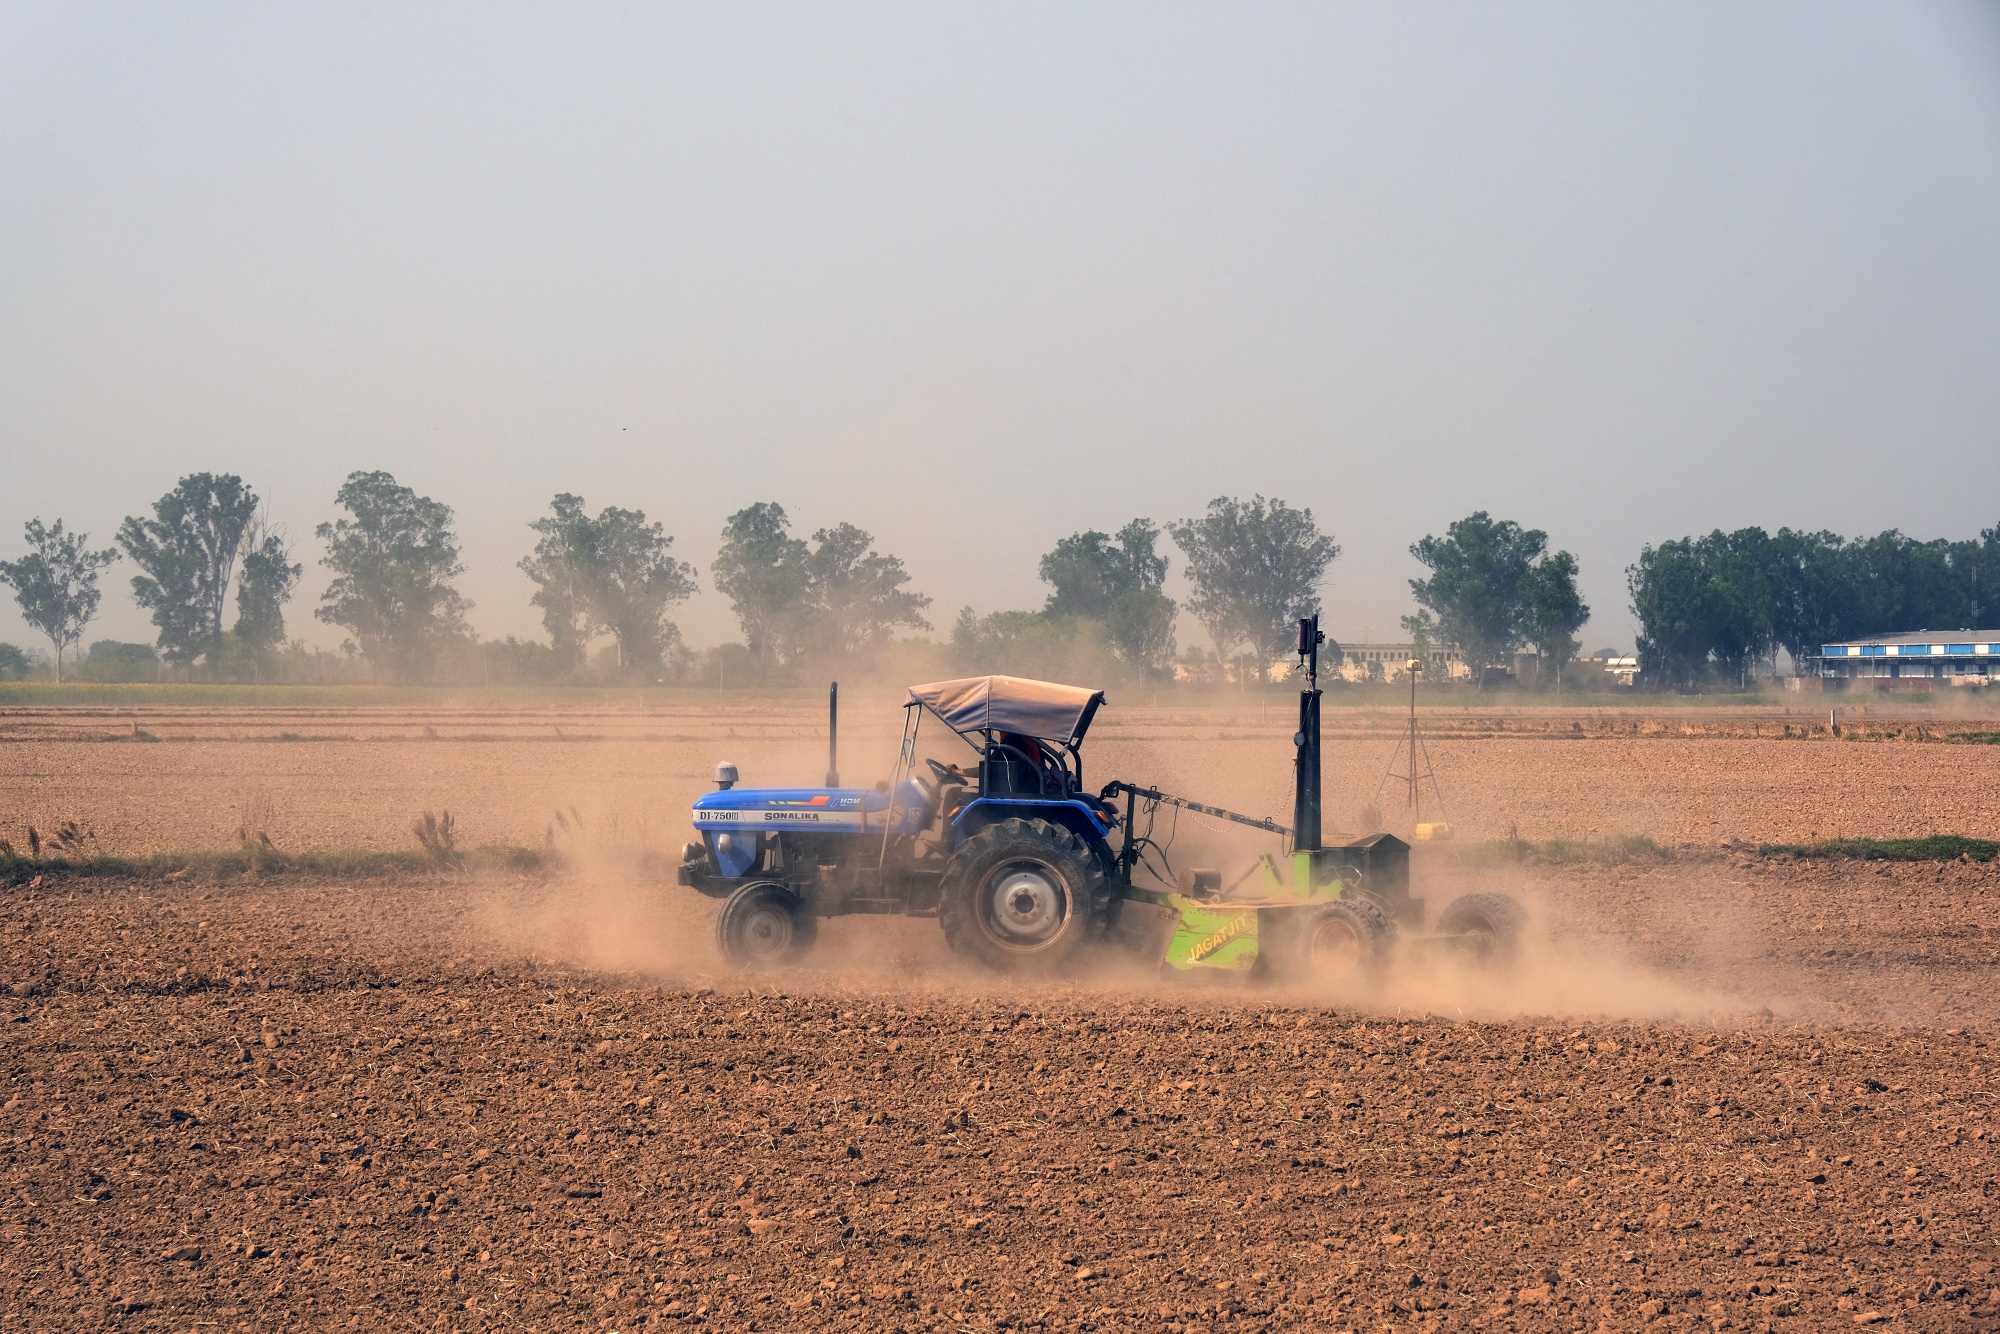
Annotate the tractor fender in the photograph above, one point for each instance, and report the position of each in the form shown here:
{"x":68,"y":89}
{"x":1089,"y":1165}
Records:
{"x":1074,"y":816}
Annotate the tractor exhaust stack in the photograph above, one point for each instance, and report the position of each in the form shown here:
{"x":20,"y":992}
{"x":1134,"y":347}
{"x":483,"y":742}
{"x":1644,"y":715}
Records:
{"x":833,"y":734}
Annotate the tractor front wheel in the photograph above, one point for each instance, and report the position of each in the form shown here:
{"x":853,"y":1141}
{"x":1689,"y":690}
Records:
{"x":1024,"y":896}
{"x":764,"y":926}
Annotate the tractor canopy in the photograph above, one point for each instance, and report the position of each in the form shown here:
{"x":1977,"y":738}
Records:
{"x":1040,"y":709}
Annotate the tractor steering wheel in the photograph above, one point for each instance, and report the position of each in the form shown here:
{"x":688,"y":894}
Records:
{"x":945,"y":774}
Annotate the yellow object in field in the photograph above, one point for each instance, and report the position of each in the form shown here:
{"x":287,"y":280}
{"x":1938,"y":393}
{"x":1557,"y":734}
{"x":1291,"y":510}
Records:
{"x":1433,"y":833}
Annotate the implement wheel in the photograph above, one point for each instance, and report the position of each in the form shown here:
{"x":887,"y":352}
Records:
{"x":1488,"y":927}
{"x":1024,"y":896}
{"x":1341,"y":943}
{"x":764,"y":926}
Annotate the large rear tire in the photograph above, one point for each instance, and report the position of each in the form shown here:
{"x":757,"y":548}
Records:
{"x":764,"y":926}
{"x":1024,"y":896}
{"x":1489,"y":928}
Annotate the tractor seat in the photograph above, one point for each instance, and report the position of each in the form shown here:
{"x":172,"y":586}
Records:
{"x":1003,"y":774}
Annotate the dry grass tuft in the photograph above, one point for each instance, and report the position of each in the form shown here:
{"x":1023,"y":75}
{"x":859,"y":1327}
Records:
{"x":438,"y":837}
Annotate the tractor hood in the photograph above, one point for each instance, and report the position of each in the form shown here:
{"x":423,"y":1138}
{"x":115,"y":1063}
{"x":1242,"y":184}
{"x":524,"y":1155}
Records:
{"x":812,"y":809}
{"x":1040,"y":709}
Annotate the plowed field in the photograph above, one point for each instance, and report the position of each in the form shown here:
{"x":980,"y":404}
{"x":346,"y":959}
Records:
{"x":1722,"y":1092}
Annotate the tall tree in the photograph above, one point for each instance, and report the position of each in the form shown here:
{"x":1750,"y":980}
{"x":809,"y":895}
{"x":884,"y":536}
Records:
{"x":56,"y":583}
{"x":1256,"y":566}
{"x":1090,"y":570}
{"x":856,"y":594}
{"x":170,"y":590}
{"x":1739,"y":599}
{"x":1493,"y":587}
{"x":562,"y":566}
{"x":1703,"y":604}
{"x":269,"y":576}
{"x":393,"y":563}
{"x":1984,"y":572}
{"x":761,"y":569}
{"x":186,"y":554}
{"x":1905,"y":584}
{"x":1140,"y":628}
{"x":633,"y":582}
{"x":1815,"y":596}
{"x":1119,"y":582}
{"x":1669,"y":584}
{"x":1479,"y":585}
{"x":835,"y":595}
{"x":1554,"y":611}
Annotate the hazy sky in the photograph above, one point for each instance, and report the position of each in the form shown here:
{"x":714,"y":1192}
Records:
{"x":975,"y":277}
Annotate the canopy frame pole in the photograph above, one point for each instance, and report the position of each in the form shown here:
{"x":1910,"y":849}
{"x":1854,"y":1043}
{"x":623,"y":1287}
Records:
{"x":906,"y":758}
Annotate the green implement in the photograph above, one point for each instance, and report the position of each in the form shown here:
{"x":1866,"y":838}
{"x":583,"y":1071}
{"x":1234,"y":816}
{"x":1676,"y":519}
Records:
{"x":1267,"y":923}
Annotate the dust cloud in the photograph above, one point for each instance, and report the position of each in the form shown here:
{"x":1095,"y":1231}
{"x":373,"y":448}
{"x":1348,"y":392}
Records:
{"x":1699,"y":932}
{"x":615,"y":907}
{"x":616,"y":913}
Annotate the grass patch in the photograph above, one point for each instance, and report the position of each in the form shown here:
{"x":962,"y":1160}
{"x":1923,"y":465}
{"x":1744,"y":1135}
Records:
{"x":1935,"y":848}
{"x":231,"y":863}
{"x":1611,"y":850}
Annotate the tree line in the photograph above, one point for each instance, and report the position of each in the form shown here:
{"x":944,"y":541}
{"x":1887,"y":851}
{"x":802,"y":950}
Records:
{"x":1712,"y":608}
{"x":1709,"y":608}
{"x":827,"y":600}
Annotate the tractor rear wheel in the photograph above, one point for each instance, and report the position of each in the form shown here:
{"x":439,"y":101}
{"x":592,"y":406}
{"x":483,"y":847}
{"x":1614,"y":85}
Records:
{"x":764,"y":926}
{"x":1339,"y":943}
{"x":1024,"y":896}
{"x":1489,"y":927}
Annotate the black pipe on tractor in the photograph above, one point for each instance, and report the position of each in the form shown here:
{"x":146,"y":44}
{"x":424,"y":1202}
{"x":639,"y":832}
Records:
{"x":833,"y":734}
{"x":1305,"y":801}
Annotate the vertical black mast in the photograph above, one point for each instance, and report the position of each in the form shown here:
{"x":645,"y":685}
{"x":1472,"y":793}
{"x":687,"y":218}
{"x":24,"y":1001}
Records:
{"x":1305,"y":803}
{"x":833,"y":734}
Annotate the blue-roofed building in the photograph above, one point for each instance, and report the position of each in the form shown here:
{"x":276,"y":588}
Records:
{"x":1936,"y":657}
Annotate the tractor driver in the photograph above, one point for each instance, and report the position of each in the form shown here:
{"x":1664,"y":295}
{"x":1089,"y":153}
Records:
{"x":1047,"y":774}
{"x":1054,"y":779}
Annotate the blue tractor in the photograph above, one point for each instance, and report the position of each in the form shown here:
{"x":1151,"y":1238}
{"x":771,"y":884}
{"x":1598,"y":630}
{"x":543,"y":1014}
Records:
{"x":1027,"y":870}
{"x":1008,"y":850}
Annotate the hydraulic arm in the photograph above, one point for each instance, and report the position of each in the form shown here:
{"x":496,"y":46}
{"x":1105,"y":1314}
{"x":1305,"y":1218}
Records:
{"x":1129,"y":852}
{"x":1113,"y":790}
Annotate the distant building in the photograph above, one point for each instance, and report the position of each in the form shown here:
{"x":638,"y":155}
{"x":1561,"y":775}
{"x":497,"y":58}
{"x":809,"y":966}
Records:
{"x":1625,"y":670}
{"x":1604,"y":670}
{"x":1391,"y":662}
{"x":1954,"y":657}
